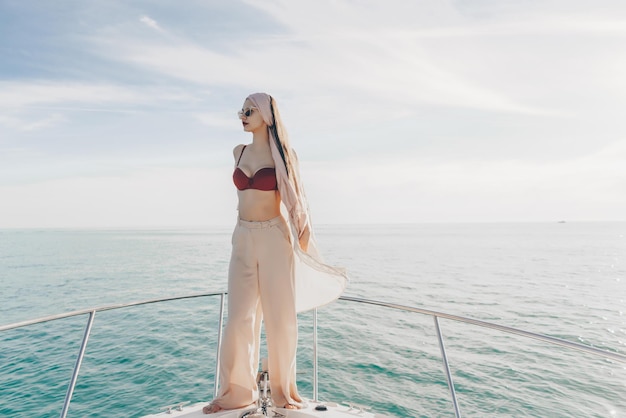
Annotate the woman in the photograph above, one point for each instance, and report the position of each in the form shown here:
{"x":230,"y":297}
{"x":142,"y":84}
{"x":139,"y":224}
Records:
{"x":273,"y":274}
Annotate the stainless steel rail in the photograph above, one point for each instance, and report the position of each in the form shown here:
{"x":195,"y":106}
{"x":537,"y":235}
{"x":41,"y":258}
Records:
{"x":545,"y":338}
{"x":436,"y":315}
{"x":92,"y":313}
{"x":446,"y":368}
{"x":79,"y":361}
{"x":103,"y":309}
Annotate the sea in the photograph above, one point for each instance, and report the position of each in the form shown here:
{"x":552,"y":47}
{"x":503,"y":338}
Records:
{"x":561,"y":279}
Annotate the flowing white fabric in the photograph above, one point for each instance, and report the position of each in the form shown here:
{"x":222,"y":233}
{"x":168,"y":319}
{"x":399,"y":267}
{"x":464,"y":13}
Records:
{"x":317,"y":283}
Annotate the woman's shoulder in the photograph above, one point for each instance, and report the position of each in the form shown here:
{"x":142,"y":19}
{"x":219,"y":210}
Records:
{"x":238,"y":150}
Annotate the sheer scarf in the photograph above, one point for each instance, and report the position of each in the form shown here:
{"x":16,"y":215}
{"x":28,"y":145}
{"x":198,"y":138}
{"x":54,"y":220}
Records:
{"x":316,"y":282}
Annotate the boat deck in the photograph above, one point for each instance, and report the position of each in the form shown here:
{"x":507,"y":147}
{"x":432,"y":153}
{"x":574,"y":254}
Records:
{"x":312,"y":409}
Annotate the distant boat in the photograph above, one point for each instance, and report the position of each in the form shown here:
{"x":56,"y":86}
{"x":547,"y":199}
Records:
{"x":561,"y":222}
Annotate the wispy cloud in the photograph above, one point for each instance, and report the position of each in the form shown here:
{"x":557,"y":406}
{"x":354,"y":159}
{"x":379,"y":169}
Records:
{"x":16,"y":94}
{"x":397,"y":64}
{"x":151,"y":23}
{"x":31,"y":125}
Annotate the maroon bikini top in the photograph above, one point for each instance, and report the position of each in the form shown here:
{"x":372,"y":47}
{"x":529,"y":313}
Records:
{"x":264,"y":178}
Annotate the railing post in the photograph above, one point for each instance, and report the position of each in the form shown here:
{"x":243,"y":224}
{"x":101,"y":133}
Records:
{"x":315,"y":355}
{"x":446,"y":367}
{"x":219,"y":347}
{"x":79,"y":361}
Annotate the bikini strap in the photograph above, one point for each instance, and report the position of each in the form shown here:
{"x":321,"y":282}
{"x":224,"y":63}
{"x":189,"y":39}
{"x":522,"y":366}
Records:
{"x":242,"y":150}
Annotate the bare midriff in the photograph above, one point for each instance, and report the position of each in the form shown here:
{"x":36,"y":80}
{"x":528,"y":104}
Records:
{"x":258,"y":205}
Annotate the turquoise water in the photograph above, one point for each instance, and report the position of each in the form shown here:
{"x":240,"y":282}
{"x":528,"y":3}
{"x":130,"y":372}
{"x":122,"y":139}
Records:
{"x":565,"y":280}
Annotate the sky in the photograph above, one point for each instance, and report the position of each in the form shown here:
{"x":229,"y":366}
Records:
{"x":123,"y":113}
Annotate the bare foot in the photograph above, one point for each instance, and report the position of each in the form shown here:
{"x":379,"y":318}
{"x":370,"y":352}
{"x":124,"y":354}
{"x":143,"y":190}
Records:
{"x":290,"y":406}
{"x":211,"y":409}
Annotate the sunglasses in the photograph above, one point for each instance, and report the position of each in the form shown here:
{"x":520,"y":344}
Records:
{"x":246,"y":112}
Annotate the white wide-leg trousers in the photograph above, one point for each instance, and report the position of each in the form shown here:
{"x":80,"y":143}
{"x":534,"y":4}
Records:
{"x":260,"y":288}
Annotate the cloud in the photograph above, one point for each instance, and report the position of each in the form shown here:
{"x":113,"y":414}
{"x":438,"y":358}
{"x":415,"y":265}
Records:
{"x":414,"y":55}
{"x":151,"y":23}
{"x":38,"y":104}
{"x":23,"y":125}
{"x":17,"y":94}
{"x":544,"y":25}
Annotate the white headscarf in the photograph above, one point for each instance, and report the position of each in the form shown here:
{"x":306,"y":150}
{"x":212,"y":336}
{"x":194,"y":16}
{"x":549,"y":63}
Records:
{"x":316,"y":283}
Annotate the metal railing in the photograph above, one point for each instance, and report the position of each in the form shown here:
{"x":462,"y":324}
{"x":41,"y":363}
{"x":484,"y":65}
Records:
{"x":92,"y":313}
{"x":510,"y":330}
{"x":434,"y":314}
